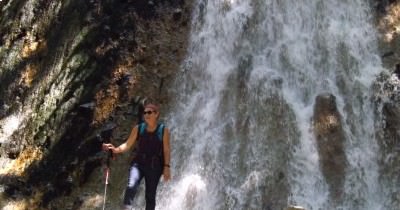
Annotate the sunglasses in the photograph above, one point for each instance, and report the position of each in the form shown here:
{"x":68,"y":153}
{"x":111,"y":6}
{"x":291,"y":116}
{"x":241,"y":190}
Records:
{"x":149,"y":112}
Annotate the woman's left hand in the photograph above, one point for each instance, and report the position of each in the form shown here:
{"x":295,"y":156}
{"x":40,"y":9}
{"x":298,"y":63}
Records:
{"x":166,"y":174}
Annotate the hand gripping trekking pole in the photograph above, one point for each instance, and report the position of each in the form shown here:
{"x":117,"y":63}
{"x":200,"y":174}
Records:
{"x":105,"y":137}
{"x":107,"y":173}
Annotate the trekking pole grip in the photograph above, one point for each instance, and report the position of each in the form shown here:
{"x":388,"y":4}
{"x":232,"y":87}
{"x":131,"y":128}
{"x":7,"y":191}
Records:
{"x":110,"y":156}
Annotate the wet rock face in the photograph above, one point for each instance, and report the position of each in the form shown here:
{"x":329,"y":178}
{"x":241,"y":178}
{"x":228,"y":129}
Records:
{"x":389,"y":143}
{"x":391,"y":113}
{"x":387,"y":102}
{"x":67,"y":68}
{"x":387,"y":107}
{"x":386,"y":98}
{"x":330,"y":138}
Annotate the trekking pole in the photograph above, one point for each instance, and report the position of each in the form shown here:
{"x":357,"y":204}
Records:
{"x":107,"y":173}
{"x":105,"y":137}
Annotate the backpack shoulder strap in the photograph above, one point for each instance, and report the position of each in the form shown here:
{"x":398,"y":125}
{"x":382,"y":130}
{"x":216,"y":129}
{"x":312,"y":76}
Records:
{"x":160,"y":131}
{"x":141,"y":128}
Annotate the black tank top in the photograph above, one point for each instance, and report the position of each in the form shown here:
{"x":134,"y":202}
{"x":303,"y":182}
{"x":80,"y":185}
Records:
{"x":150,"y":146}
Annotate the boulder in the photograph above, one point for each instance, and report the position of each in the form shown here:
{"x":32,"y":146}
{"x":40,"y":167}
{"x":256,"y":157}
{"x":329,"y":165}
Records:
{"x":330,"y":137}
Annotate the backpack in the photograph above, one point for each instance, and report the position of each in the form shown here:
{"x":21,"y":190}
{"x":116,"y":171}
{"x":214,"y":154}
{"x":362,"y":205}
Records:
{"x":159,"y":130}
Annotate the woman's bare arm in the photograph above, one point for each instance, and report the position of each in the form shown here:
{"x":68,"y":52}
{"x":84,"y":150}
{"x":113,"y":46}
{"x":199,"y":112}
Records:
{"x":126,"y":145}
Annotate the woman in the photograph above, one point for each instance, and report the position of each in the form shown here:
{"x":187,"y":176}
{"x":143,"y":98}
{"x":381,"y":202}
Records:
{"x":152,"y":157}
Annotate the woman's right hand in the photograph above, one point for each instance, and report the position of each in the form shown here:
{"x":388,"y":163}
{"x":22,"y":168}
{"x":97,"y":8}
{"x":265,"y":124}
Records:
{"x":107,"y":147}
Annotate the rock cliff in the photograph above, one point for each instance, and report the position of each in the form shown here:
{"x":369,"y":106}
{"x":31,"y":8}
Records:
{"x":71,"y":72}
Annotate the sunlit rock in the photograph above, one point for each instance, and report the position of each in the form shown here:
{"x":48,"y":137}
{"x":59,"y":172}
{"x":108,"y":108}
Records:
{"x":8,"y":126}
{"x":91,"y":202}
{"x":106,"y":102}
{"x":29,"y":75}
{"x":32,"y":46}
{"x":330,"y":138}
{"x":24,"y":160}
{"x":390,"y":23}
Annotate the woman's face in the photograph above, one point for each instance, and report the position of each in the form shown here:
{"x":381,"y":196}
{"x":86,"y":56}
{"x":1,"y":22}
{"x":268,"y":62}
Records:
{"x":150,"y":115}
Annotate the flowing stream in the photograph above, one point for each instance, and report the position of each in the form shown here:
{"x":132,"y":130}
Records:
{"x":241,"y":125}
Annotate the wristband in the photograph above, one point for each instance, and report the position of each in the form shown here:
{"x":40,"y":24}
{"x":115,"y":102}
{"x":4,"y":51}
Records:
{"x":166,"y":165}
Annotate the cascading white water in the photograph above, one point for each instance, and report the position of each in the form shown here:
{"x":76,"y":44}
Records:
{"x":241,"y":127}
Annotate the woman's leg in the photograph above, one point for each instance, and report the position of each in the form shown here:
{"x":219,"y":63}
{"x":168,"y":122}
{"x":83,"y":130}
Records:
{"x":135,"y":176}
{"x":151,"y":177}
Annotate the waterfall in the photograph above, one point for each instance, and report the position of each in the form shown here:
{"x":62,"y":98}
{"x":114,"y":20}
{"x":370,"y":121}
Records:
{"x":241,"y":125}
